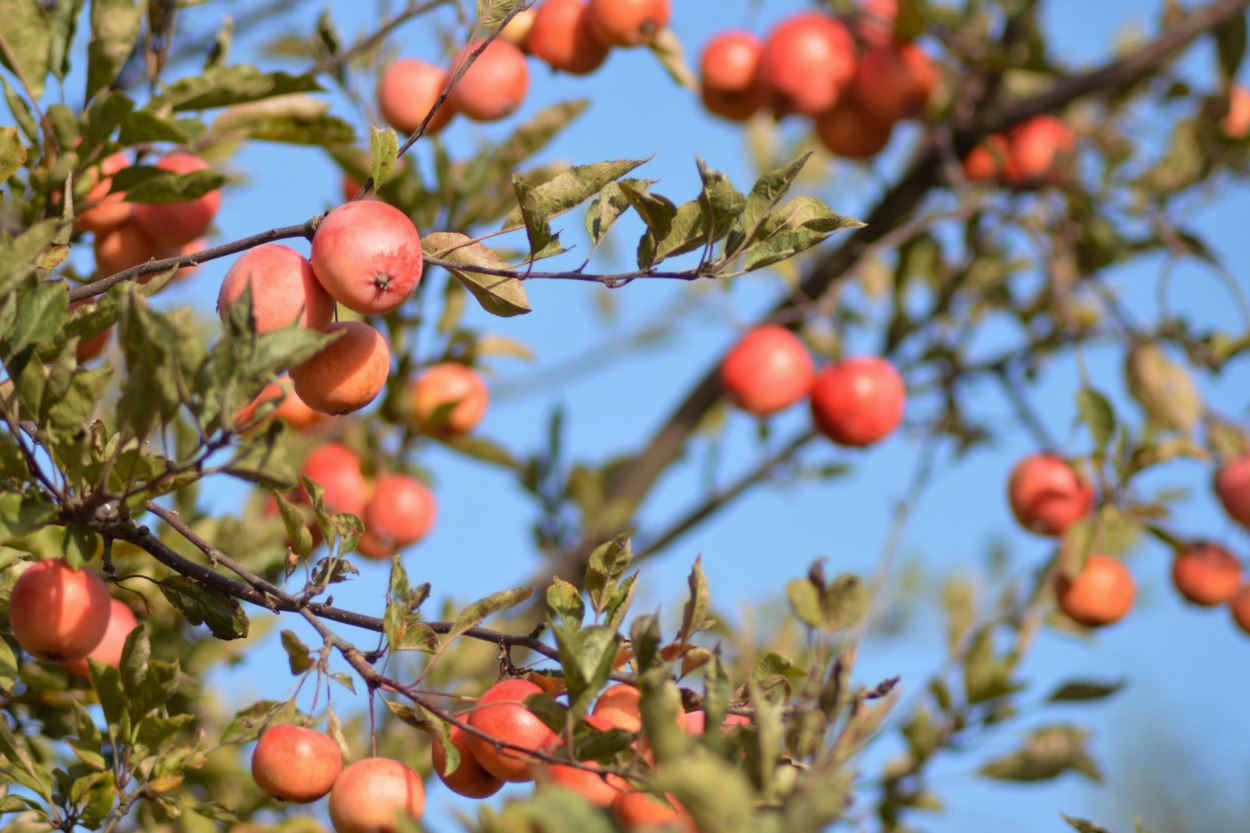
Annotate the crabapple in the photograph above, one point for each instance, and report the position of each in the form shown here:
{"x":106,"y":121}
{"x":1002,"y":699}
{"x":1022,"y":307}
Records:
{"x":1206,"y":574}
{"x":469,"y":779}
{"x":348,"y":373}
{"x":640,"y":811}
{"x":986,"y":161}
{"x":179,"y":222}
{"x":370,"y":794}
{"x":620,"y":706}
{"x":501,"y":714}
{"x":1036,"y":147}
{"x":367,"y":255}
{"x":1048,"y":495}
{"x":290,"y":408}
{"x":807,"y":63}
{"x":562,"y":39}
{"x":599,"y":790}
{"x":374,"y":548}
{"x":401,"y":511}
{"x":850,"y":131}
{"x":1101,"y":595}
{"x":1232,"y":486}
{"x":628,"y":22}
{"x":875,"y":24}
{"x":293,"y":763}
{"x":894,"y":82}
{"x":125,"y":246}
{"x":105,"y":211}
{"x":449,"y":399}
{"x":284,"y":289}
{"x":121,"y":622}
{"x":767,"y":371}
{"x":858,"y":401}
{"x":729,"y":71}
{"x":495,"y":85}
{"x":336,"y":468}
{"x":57,"y":613}
{"x":407,"y":91}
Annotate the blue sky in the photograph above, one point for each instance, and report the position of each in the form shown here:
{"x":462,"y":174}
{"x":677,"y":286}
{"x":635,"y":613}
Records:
{"x":1181,"y":664}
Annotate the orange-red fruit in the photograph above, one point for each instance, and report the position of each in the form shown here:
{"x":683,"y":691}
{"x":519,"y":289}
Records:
{"x":440,"y":386}
{"x":106,"y":211}
{"x":293,"y":763}
{"x":518,"y":30}
{"x":1232,"y":486}
{"x":407,"y":91}
{"x":401,"y":511}
{"x":502,"y":715}
{"x":336,"y":468}
{"x":367,"y":255}
{"x":374,"y":548}
{"x":94,"y":346}
{"x":629,"y":22}
{"x":469,"y":779}
{"x":894,"y":82}
{"x":639,"y":811}
{"x":986,"y":161}
{"x":290,"y":408}
{"x":1101,"y":595}
{"x":109,"y":651}
{"x":729,"y":70}
{"x":180,"y":222}
{"x":125,"y":246}
{"x":57,"y":613}
{"x":1236,"y":124}
{"x":696,"y":721}
{"x":371,"y":794}
{"x":850,"y":131}
{"x":1206,"y":575}
{"x":284,"y":289}
{"x":1240,"y":608}
{"x":495,"y":85}
{"x":875,"y":24}
{"x":619,"y":705}
{"x":859,"y":401}
{"x":598,"y":790}
{"x":807,"y":64}
{"x":348,"y":373}
{"x":767,"y":371}
{"x":1048,"y":495}
{"x":561,"y":38}
{"x":1037,"y":146}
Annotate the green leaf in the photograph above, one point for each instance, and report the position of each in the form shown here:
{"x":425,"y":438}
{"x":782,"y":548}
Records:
{"x":587,"y":655}
{"x":535,"y":134}
{"x":658,"y":214}
{"x":299,"y":654}
{"x":64,"y":25}
{"x":1084,"y":691}
{"x":22,"y":513}
{"x":1164,"y":389}
{"x":473,"y":615}
{"x":107,"y":682}
{"x":44,"y":307}
{"x":537,"y":229}
{"x":384,"y":146}
{"x":845,"y":602}
{"x":8,"y":667}
{"x":694,"y":613}
{"x":607,"y":208}
{"x":205,"y":606}
{"x":490,"y":13}
{"x":608,"y":563}
{"x":1097,"y":414}
{"x":1083,"y":826}
{"x":227,"y":86}
{"x":765,"y":194}
{"x":27,"y":31}
{"x":249,"y":722}
{"x":1047,"y":753}
{"x":141,"y":126}
{"x":1230,"y":45}
{"x":134,"y":664}
{"x":150,"y":184}
{"x":12,"y":152}
{"x":21,"y":112}
{"x":296,"y":525}
{"x":714,"y":791}
{"x":805,"y":601}
{"x":666,"y":46}
{"x":794,"y":228}
{"x":499,"y":295}
{"x":565,"y":601}
{"x":114,"y":33}
{"x":292,"y":119}
{"x":570,"y":189}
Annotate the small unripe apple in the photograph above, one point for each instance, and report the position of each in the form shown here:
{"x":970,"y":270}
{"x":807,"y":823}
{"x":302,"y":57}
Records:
{"x":370,"y":795}
{"x":347,"y":374}
{"x":1206,"y":574}
{"x":94,"y":346}
{"x":407,"y":91}
{"x":180,"y":222}
{"x":629,"y":22}
{"x":449,"y":399}
{"x":640,"y":811}
{"x":105,"y":211}
{"x":1232,"y":486}
{"x":599,"y":790}
{"x":293,"y":763}
{"x":1048,"y":495}
{"x":125,"y":246}
{"x":767,"y":371}
{"x":501,"y":714}
{"x":1101,"y":595}
{"x":109,"y":651}
{"x":401,"y":511}
{"x":894,"y":82}
{"x":57,"y":613}
{"x":336,"y":469}
{"x":858,"y":402}
{"x":494,"y":86}
{"x":851,"y":132}
{"x":283,"y":286}
{"x":1236,"y":124}
{"x":469,"y":779}
{"x":561,"y":38}
{"x":290,"y":408}
{"x":807,"y":64}
{"x":729,"y":70}
{"x":367,"y":255}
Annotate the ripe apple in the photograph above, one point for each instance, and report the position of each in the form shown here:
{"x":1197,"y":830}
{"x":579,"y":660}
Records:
{"x":1101,"y":595}
{"x":1037,"y":146}
{"x":501,"y":714}
{"x":894,"y":82}
{"x":104,"y":211}
{"x":296,"y":764}
{"x":367,"y":255}
{"x":449,"y":399}
{"x":729,"y":70}
{"x":1206,"y":574}
{"x":986,"y":161}
{"x":639,"y":811}
{"x":1048,"y":495}
{"x":348,"y":373}
{"x":859,"y":401}
{"x":407,"y":91}
{"x":57,"y":613}
{"x":290,"y":408}
{"x":629,"y":22}
{"x":850,"y":131}
{"x":807,"y":64}
{"x":767,"y":371}
{"x":696,"y":722}
{"x":561,"y":38}
{"x":469,"y":779}
{"x":127,"y":245}
{"x":620,"y":706}
{"x":518,"y":30}
{"x":401,"y":511}
{"x":1236,"y":124}
{"x":284,"y":289}
{"x":121,"y":623}
{"x":599,"y":790}
{"x":494,"y":86}
{"x":370,"y":794}
{"x":181,"y":222}
{"x":336,"y":469}
{"x":1232,"y":486}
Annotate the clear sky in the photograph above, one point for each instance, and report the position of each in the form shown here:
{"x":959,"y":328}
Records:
{"x":1186,"y":669}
